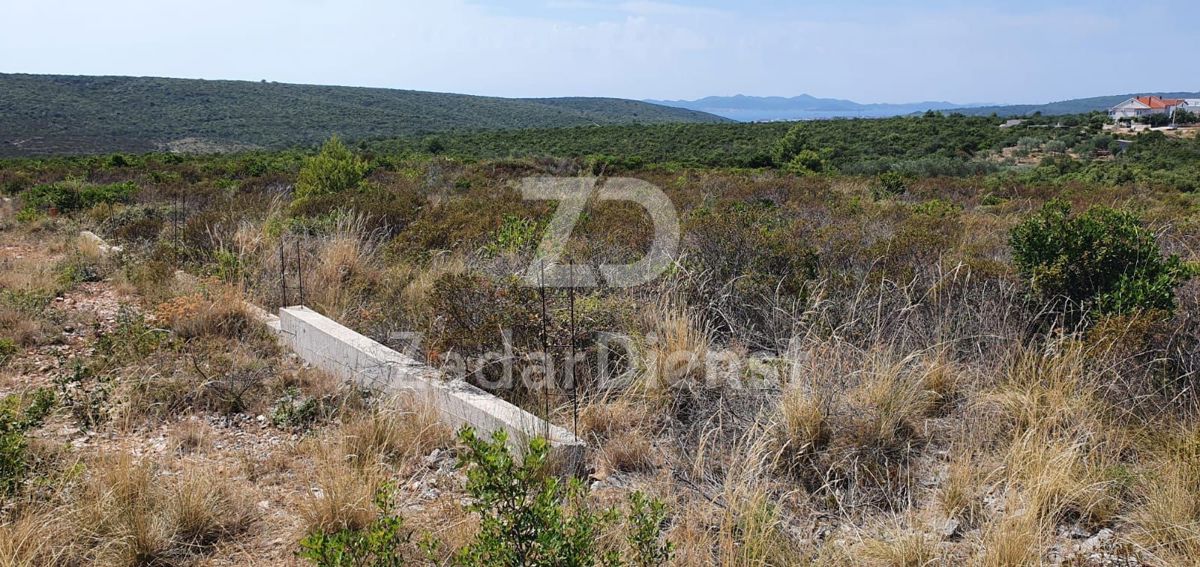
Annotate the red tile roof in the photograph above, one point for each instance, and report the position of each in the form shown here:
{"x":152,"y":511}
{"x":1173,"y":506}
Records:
{"x":1159,"y":102}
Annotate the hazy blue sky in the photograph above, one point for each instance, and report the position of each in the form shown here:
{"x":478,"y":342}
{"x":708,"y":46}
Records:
{"x":870,"y":51}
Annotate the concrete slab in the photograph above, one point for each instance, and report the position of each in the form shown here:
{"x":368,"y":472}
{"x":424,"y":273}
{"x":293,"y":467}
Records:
{"x":328,"y":345}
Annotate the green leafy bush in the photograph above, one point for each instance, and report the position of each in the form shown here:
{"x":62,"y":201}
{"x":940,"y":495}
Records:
{"x":1102,"y":259}
{"x":69,"y":196}
{"x":380,"y":544}
{"x":646,"y":517}
{"x":8,"y":349}
{"x":15,"y":421}
{"x":889,"y":184}
{"x":333,"y":170}
{"x":529,"y":517}
{"x":515,"y":234}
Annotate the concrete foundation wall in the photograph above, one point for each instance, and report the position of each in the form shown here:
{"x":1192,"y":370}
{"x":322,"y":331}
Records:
{"x":328,"y":345}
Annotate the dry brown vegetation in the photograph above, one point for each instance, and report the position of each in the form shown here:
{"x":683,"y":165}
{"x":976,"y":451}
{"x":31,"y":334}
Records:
{"x":923,"y":407}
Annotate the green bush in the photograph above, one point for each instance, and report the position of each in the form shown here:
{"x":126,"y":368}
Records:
{"x":889,"y":184}
{"x":380,"y":544}
{"x":69,"y":196}
{"x":8,"y":349}
{"x":15,"y":421}
{"x":530,"y":517}
{"x":1101,"y":260}
{"x":527,"y":517}
{"x":515,"y":234}
{"x":333,"y":170}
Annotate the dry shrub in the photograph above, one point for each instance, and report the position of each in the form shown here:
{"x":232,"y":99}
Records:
{"x":399,"y":431}
{"x":222,"y":314}
{"x":129,"y":514}
{"x":856,"y":435}
{"x":631,"y":451}
{"x":211,"y":374}
{"x":412,"y":286}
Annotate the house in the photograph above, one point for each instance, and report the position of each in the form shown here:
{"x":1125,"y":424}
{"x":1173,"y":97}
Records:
{"x":1140,"y":106}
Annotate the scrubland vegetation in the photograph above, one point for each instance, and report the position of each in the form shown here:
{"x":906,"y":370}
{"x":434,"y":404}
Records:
{"x":881,"y":343}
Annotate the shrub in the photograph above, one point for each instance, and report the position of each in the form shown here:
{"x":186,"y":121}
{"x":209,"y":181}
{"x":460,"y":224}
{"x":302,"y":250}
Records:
{"x":380,"y":544}
{"x":529,"y":517}
{"x":8,"y":349}
{"x":333,"y":170}
{"x":890,"y":183}
{"x":74,"y":195}
{"x":524,"y":517}
{"x":1102,"y":259}
{"x":15,"y":421}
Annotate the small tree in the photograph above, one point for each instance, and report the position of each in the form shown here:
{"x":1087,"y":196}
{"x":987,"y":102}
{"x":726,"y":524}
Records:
{"x":333,"y":170}
{"x":889,"y":184}
{"x":528,"y":517}
{"x":1102,"y":260}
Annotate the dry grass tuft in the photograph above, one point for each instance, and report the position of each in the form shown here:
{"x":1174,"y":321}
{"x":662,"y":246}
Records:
{"x":1167,"y":514}
{"x":631,"y":451}
{"x":33,"y":538}
{"x":191,"y":435}
{"x":197,"y":315}
{"x":676,"y":350}
{"x":341,"y":494}
{"x":961,"y":494}
{"x":129,"y":514}
{"x":397,"y":432}
{"x":1014,"y":540}
{"x":897,"y":546}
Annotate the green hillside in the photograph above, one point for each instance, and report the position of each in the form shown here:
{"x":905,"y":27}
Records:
{"x":55,"y":114}
{"x":1073,"y":106}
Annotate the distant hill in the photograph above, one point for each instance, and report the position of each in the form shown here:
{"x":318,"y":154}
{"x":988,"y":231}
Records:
{"x":1074,"y":106}
{"x":803,"y":107}
{"x":56,"y":114}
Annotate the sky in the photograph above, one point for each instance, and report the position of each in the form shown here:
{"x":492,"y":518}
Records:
{"x":1018,"y":51}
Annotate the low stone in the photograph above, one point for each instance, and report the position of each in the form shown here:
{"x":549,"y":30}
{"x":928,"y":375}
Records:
{"x":950,"y":528}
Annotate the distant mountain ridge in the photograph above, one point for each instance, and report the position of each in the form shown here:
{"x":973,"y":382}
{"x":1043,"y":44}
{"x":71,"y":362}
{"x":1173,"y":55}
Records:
{"x":802,"y":107}
{"x":63,"y":114}
{"x":806,"y":107}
